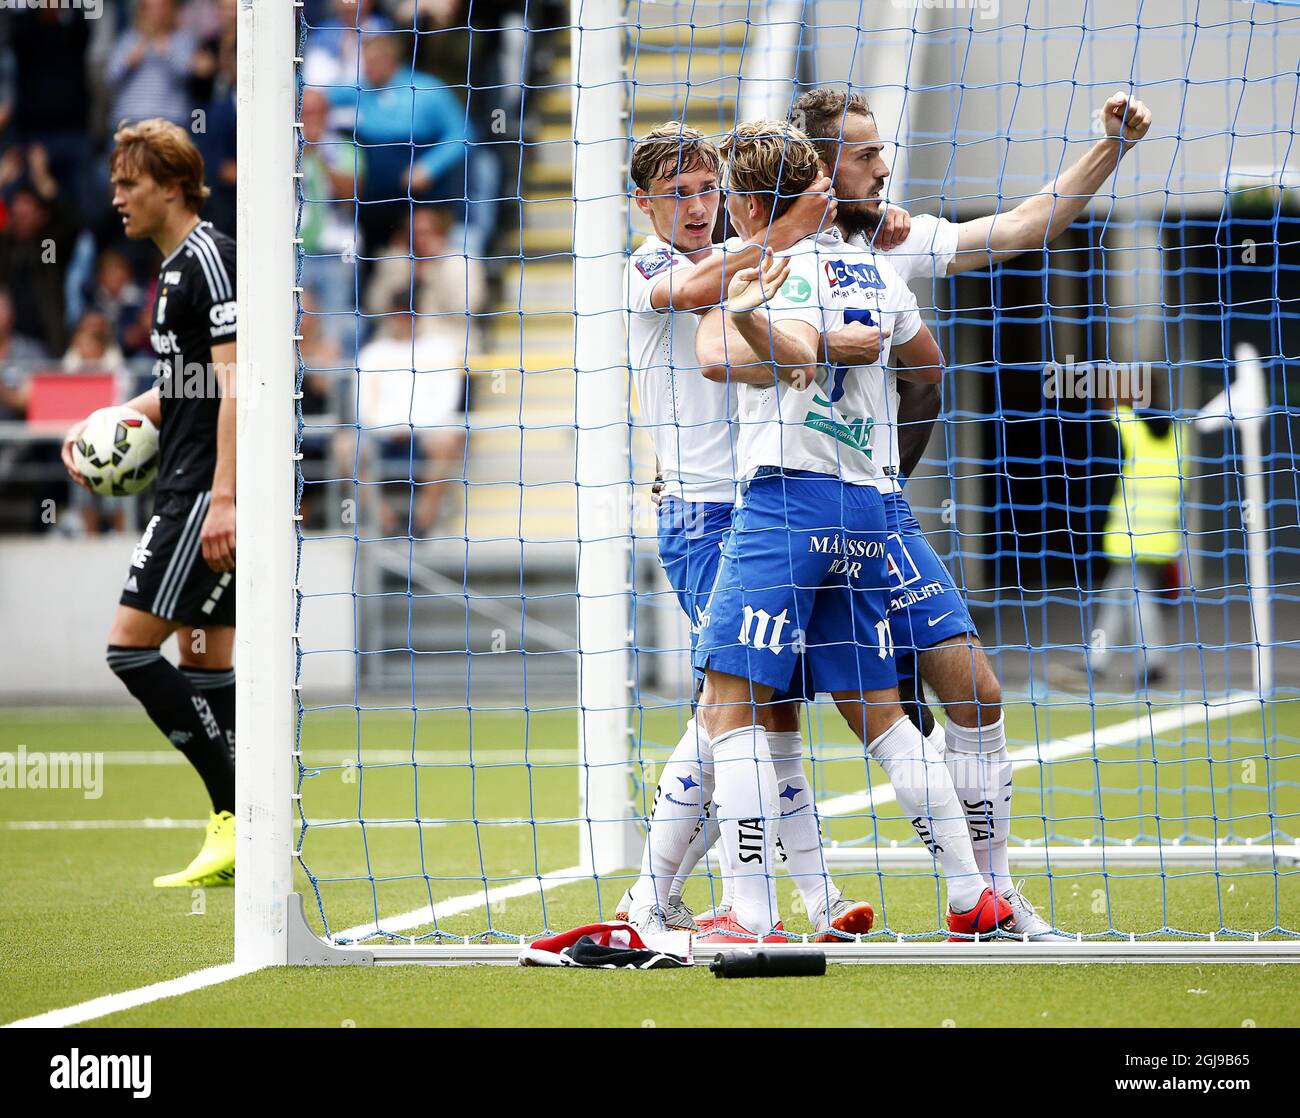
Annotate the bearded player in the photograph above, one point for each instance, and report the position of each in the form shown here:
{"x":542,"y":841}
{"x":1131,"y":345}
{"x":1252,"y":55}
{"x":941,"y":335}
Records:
{"x":931,"y":624}
{"x":804,"y":575}
{"x":181,"y":577}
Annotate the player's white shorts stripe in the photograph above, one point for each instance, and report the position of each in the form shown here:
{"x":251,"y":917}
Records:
{"x":194,"y":545}
{"x":182,"y":558}
{"x":175,"y":557}
{"x":205,"y":248}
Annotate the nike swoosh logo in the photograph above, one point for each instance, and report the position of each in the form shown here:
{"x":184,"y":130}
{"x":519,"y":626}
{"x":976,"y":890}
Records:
{"x":674,"y":800}
{"x":935,"y":620}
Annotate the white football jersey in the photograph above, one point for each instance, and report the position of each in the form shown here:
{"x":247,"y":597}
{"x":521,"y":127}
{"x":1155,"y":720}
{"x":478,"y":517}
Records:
{"x":925,"y":255}
{"x":688,"y":418}
{"x":830,"y":426}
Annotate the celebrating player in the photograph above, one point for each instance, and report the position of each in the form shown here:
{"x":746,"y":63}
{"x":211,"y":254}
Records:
{"x":804,"y":566}
{"x":675,"y":273}
{"x":182,"y":571}
{"x":930,"y":620}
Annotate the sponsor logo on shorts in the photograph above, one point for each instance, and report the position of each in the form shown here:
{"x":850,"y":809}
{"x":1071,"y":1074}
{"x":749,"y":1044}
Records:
{"x":847,"y":548}
{"x":762,"y":630}
{"x":140,"y":555}
{"x":846,"y":545}
{"x":920,"y":594}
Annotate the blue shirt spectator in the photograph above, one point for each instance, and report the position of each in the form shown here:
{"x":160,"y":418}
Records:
{"x":412,"y":126}
{"x":149,"y":67}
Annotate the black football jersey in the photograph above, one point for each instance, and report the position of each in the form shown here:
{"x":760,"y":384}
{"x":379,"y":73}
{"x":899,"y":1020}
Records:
{"x":194,"y":310}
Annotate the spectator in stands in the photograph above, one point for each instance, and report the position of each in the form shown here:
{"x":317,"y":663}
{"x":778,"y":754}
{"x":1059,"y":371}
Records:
{"x":8,"y":82}
{"x":413,"y":130}
{"x":36,"y":247}
{"x":212,"y":93}
{"x":214,"y":24}
{"x":333,"y":51}
{"x":19,"y":358}
{"x":491,"y":52}
{"x":53,"y":93}
{"x":333,"y":170}
{"x":150,"y":66}
{"x":414,"y":405}
{"x":94,"y":348}
{"x":121,"y":300}
{"x":321,"y":401}
{"x":421,"y":273}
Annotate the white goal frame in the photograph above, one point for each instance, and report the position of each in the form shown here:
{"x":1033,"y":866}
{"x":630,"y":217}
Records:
{"x":270,"y":926}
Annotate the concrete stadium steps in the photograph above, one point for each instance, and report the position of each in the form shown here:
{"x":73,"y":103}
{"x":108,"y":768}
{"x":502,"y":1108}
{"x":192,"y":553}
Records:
{"x":522,"y":454}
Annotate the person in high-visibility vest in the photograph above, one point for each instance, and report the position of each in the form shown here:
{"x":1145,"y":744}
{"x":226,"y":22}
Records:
{"x":1143,"y":537}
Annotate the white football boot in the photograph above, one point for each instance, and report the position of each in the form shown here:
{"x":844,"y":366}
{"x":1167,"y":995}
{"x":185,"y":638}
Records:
{"x":1026,"y":923}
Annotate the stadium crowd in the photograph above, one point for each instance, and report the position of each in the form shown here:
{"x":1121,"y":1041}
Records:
{"x":409,"y":140}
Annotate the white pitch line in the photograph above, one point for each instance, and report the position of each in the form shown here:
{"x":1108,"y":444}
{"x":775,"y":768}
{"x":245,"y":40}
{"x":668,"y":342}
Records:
{"x":1075,"y":745}
{"x":129,"y":999}
{"x":320,"y":824}
{"x":457,"y":906}
{"x":102,"y":824}
{"x":145,"y":757}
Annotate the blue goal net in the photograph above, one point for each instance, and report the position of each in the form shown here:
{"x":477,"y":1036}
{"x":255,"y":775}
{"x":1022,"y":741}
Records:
{"x":495,"y":636}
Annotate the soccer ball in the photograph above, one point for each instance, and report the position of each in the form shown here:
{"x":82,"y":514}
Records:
{"x":117,"y":452}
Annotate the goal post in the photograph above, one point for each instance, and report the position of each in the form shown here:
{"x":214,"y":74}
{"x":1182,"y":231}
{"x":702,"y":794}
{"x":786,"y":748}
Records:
{"x":266,"y":575}
{"x":448,"y":730}
{"x":610,"y":839}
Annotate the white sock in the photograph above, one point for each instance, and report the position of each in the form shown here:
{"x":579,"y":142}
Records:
{"x":800,"y":829}
{"x":926,"y":796}
{"x":981,"y":772}
{"x":706,"y":834}
{"x":678,"y":811}
{"x":745,"y":803}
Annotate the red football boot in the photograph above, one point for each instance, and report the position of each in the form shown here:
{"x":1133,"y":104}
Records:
{"x":727,"y":929}
{"x":853,"y":918}
{"x":990,"y":913}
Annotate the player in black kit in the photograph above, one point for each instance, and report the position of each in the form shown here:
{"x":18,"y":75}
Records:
{"x":181,"y":578}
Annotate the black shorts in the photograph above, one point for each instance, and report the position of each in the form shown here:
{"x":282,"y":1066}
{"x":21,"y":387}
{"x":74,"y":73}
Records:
{"x":169,"y":577}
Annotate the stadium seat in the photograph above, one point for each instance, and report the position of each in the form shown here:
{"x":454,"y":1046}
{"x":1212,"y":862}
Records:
{"x":59,"y":398}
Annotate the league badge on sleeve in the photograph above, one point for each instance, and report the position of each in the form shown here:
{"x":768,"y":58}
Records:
{"x":652,"y":263}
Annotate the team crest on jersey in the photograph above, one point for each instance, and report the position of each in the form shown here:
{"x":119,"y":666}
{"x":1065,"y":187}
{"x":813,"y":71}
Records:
{"x":843,"y":275}
{"x":652,"y":263}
